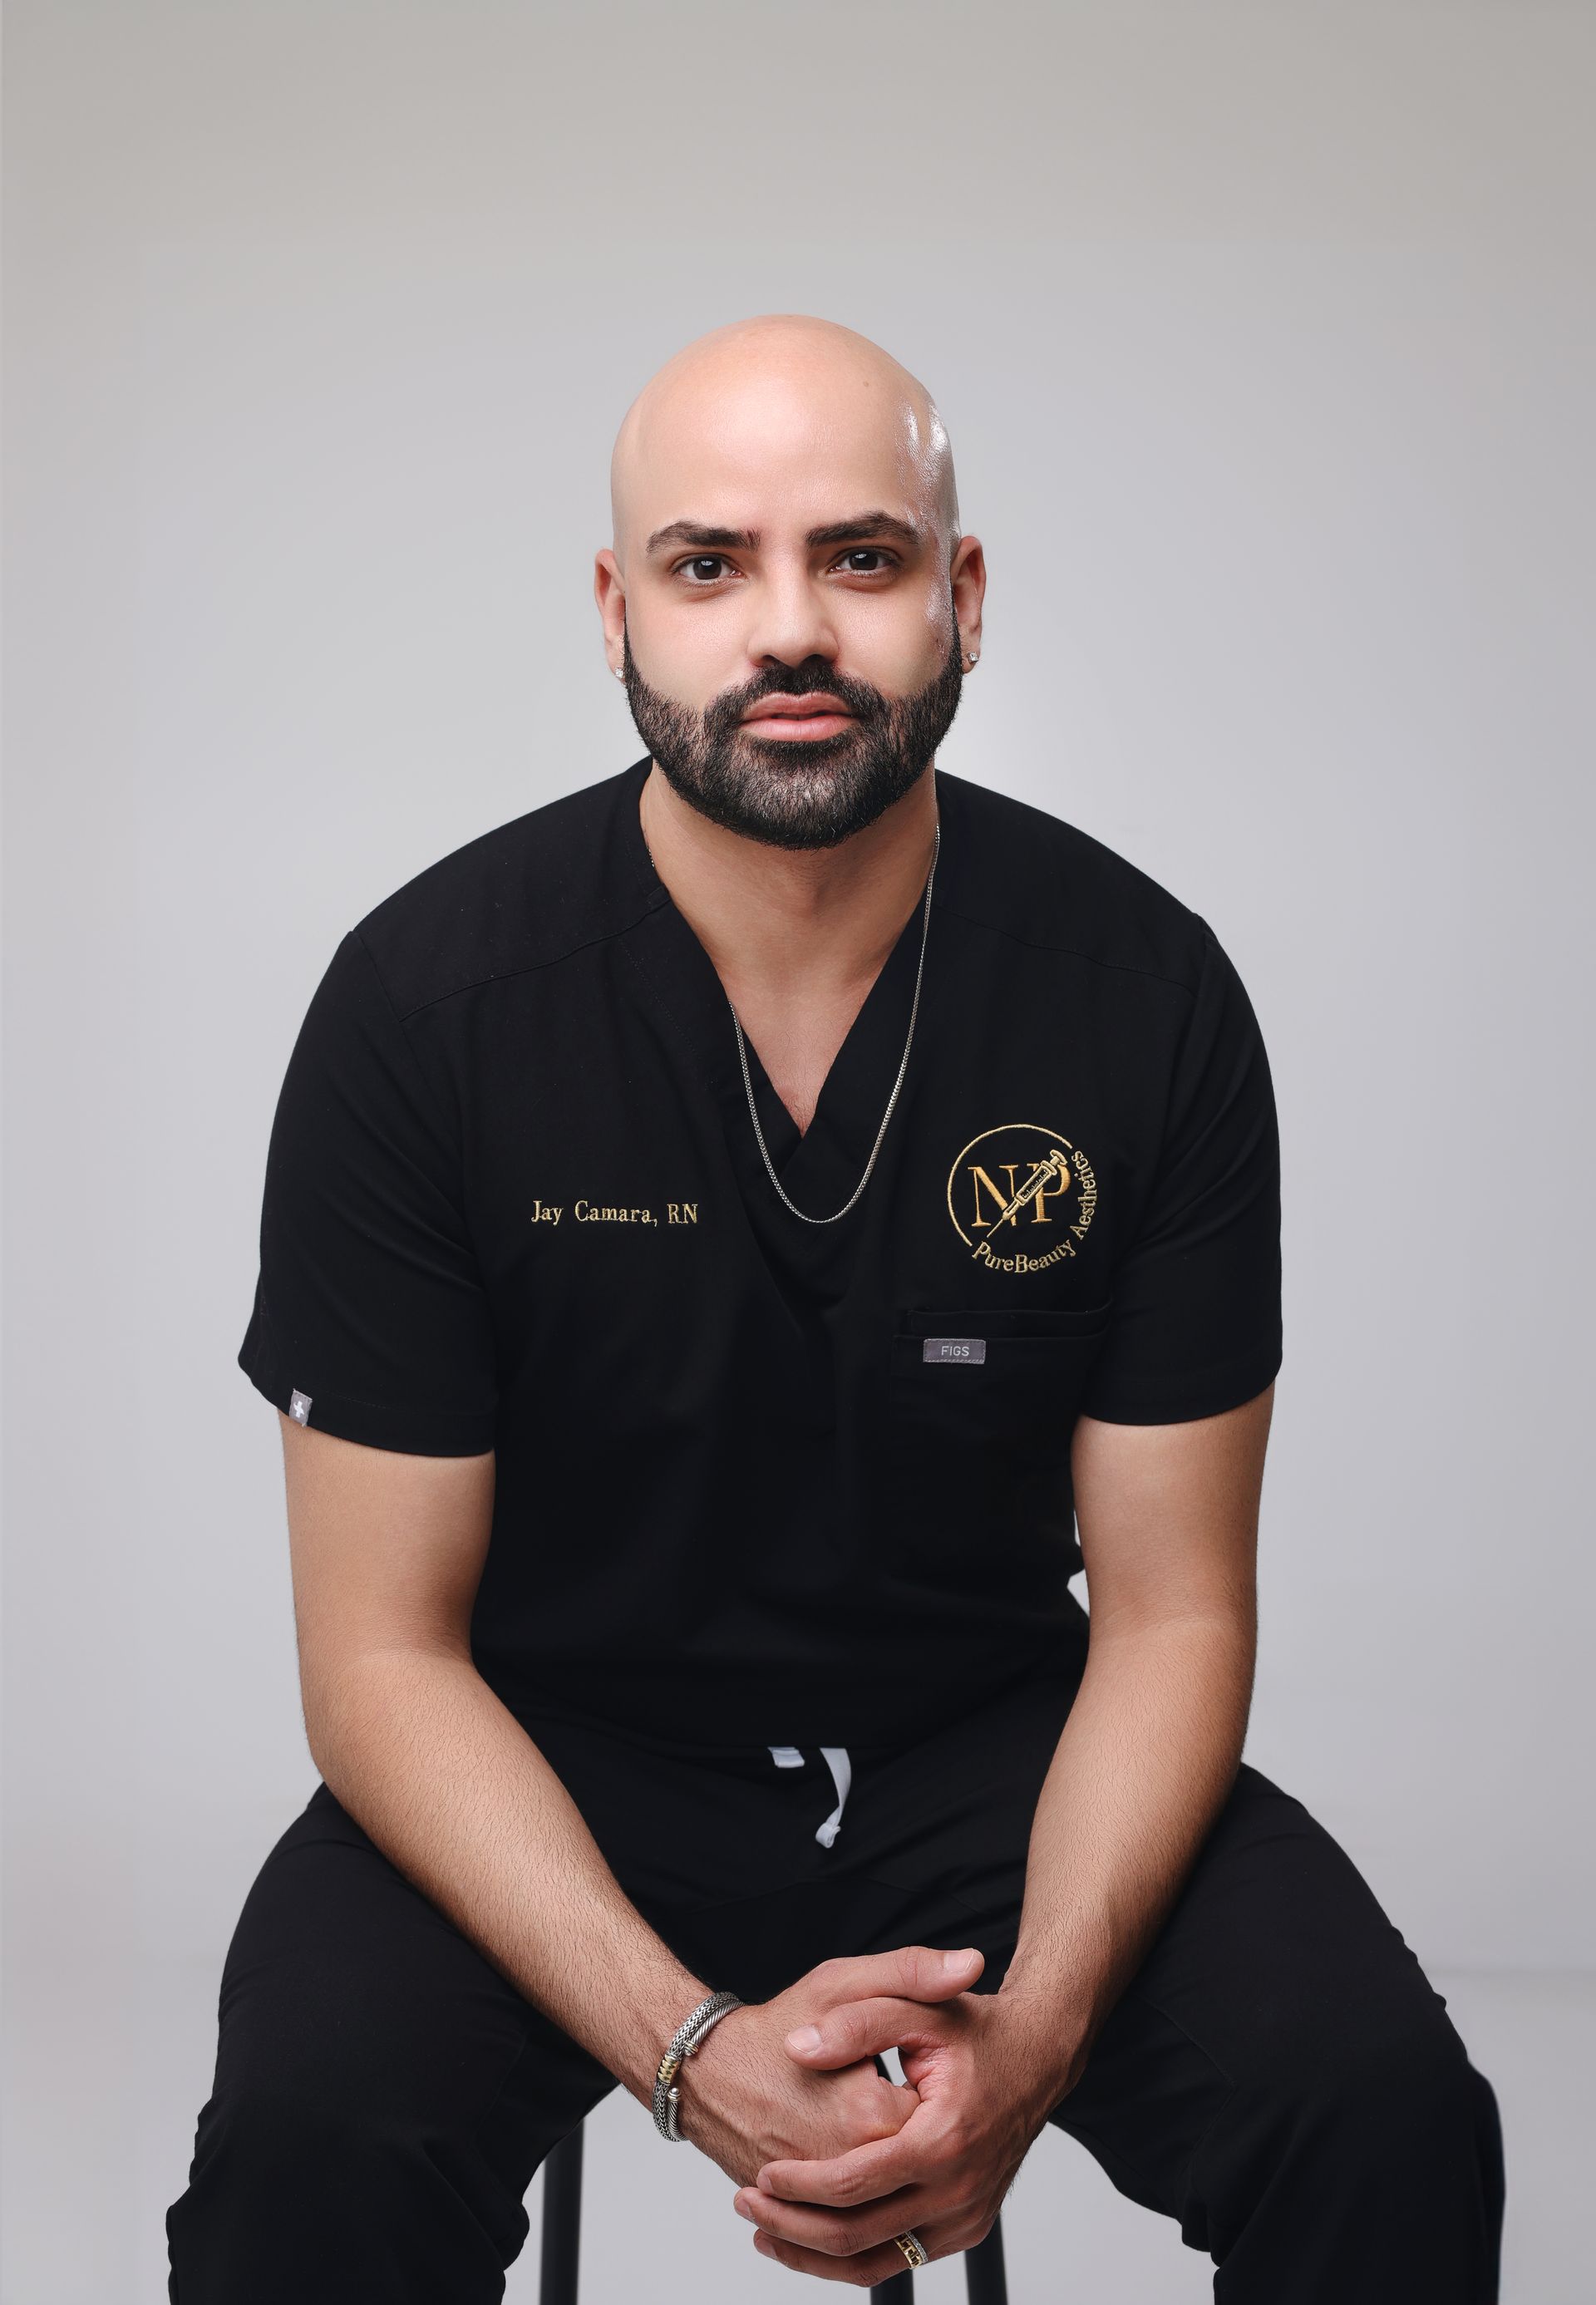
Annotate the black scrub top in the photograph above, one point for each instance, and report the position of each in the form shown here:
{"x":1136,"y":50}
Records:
{"x":757,"y":1479}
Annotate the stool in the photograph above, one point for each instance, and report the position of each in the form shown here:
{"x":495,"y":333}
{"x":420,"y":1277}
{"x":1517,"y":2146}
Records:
{"x":562,"y":2232}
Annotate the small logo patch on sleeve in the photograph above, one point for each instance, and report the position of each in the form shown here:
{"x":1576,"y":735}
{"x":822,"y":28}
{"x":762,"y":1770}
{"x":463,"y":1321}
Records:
{"x":955,"y":1348}
{"x":298,"y":1407}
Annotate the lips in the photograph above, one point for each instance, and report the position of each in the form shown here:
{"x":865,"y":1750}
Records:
{"x":820,"y":706}
{"x":798,"y":720}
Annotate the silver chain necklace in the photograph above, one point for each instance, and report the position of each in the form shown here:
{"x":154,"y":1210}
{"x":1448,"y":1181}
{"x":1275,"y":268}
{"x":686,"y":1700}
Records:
{"x":896,"y":1085}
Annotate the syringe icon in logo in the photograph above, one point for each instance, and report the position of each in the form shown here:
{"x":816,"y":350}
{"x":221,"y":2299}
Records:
{"x":1056,"y":1165}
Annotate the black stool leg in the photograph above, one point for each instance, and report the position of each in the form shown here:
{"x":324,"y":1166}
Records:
{"x":562,"y":2220}
{"x":985,"y":2280}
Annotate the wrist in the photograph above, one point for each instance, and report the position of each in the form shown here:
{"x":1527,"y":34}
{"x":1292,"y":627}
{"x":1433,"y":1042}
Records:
{"x":710,"y":2079}
{"x":681,"y":2050}
{"x":1049,"y":2041}
{"x":653,"y":2019}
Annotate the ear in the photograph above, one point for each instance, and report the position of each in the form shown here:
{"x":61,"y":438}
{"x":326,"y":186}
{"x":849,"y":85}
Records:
{"x":609,"y":591}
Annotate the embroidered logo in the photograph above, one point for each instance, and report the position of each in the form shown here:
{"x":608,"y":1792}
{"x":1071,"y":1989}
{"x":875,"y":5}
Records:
{"x":1022,"y":1197}
{"x":298,"y":1407}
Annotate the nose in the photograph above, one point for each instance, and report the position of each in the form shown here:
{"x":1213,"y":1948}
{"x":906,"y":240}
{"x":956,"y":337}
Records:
{"x":791,"y":618}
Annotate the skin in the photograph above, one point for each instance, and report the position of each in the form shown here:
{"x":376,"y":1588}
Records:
{"x":776,"y":427}
{"x":772,"y":428}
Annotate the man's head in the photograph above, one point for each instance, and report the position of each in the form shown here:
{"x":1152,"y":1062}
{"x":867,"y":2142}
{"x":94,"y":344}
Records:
{"x":786,"y":537}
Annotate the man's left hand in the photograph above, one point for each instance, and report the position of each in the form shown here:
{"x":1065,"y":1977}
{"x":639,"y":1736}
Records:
{"x":988,"y":2072}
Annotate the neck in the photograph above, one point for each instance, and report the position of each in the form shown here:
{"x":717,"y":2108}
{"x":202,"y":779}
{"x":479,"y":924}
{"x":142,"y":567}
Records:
{"x":783,"y":921}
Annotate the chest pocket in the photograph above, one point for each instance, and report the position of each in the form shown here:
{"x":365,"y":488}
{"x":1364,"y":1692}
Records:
{"x":983,"y":1403}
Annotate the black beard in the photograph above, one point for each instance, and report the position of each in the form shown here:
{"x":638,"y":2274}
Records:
{"x":807,"y":792}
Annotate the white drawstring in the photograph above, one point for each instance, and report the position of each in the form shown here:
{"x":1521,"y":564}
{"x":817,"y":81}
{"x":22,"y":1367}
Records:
{"x":835,"y":1757}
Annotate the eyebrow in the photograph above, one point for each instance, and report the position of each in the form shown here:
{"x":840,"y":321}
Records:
{"x":856,"y":528}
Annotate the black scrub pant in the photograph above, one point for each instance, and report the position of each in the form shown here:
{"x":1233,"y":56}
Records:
{"x":1280,"y":2079}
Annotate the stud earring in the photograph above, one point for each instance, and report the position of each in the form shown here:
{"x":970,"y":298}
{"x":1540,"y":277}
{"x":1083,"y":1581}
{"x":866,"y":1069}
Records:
{"x":973,"y":654}
{"x":619,"y":672}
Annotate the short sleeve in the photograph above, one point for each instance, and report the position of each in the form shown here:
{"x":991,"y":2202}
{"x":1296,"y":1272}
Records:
{"x":1195,"y":1326}
{"x":368,"y":1306}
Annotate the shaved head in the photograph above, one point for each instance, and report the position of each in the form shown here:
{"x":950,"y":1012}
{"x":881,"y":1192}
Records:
{"x":809,"y":377}
{"x":786,"y":535}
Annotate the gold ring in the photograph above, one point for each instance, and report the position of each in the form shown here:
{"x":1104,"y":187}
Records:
{"x":914,"y":2254}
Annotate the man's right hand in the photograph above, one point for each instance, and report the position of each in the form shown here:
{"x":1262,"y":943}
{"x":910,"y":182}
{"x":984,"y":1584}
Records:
{"x":745,"y":2101}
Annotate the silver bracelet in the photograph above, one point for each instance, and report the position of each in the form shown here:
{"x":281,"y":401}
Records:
{"x":682,"y":2045}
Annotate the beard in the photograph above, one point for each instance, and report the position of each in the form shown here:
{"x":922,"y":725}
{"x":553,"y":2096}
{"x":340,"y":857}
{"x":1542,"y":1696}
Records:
{"x":803,"y":792}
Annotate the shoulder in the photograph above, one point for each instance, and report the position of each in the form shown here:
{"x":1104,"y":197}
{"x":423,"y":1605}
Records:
{"x":522,"y":896}
{"x":1043,"y":884}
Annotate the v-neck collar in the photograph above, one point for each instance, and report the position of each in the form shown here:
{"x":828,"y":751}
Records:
{"x":821,"y":1168}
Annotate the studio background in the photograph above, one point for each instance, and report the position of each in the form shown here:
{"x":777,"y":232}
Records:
{"x":1265,"y":339}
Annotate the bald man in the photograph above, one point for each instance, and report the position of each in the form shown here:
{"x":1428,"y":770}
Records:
{"x":737,"y":1241}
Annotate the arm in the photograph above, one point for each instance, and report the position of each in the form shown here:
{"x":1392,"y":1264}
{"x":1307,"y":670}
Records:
{"x":386,"y":1552}
{"x":1168,"y":1521}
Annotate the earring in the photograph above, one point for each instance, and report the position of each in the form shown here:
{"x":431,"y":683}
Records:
{"x":973,"y":654}
{"x":619,"y":672}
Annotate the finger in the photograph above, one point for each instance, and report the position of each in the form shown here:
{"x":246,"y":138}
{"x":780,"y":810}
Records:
{"x":915,"y":1972}
{"x":879,"y":2165}
{"x":834,"y":2233}
{"x":862,"y":2028}
{"x":867,"y":2270}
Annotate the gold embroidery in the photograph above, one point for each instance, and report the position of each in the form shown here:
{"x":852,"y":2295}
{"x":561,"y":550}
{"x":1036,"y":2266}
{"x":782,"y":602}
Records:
{"x":1010,"y":1180}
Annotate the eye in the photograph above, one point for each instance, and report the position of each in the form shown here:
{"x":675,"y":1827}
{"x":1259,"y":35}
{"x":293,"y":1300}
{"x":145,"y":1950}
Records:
{"x":867,"y":552}
{"x":701,"y":561}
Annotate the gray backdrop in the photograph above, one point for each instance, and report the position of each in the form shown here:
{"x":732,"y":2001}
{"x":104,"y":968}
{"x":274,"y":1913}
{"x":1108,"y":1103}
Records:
{"x":1265,"y":339}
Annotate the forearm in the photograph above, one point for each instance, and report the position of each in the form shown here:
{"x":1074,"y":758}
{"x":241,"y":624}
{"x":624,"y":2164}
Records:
{"x":1145,"y":1761}
{"x":448,"y":1783}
